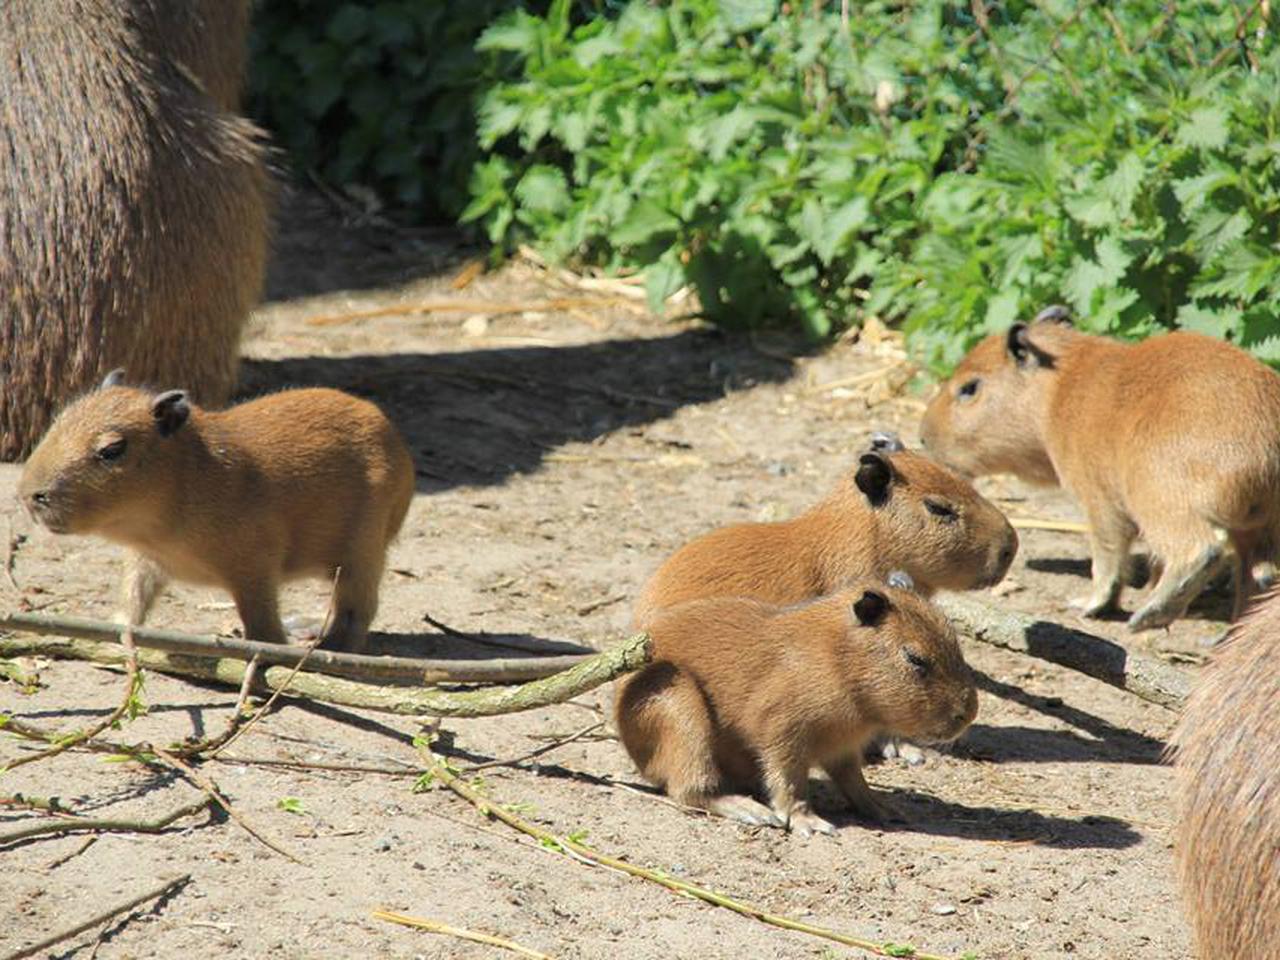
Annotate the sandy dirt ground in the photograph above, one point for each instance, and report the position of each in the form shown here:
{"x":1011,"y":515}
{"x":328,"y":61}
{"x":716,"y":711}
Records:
{"x":562,"y":453}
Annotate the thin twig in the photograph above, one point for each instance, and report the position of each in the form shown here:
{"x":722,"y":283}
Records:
{"x":104,"y":824}
{"x":1038,"y":523}
{"x":320,"y":765}
{"x":62,"y":742}
{"x":211,"y":789}
{"x":538,"y":752}
{"x":262,"y":710}
{"x":472,"y":306}
{"x":59,"y":861}
{"x":436,"y":926}
{"x":510,"y":643}
{"x":580,"y":852}
{"x":164,"y":890}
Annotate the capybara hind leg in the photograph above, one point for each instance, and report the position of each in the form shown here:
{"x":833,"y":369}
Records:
{"x":1111,"y":535}
{"x":143,"y":583}
{"x":1179,"y":585}
{"x":1245,"y":544}
{"x":354,"y":603}
{"x":663,"y":721}
{"x":258,"y":602}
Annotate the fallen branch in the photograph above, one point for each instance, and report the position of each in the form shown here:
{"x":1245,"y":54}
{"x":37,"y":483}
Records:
{"x":1091,"y":655}
{"x":587,"y":674}
{"x":104,"y":825}
{"x":353,"y":665}
{"x":1039,"y":523}
{"x":438,"y":769}
{"x":169,"y":886}
{"x":63,"y":742}
{"x":436,"y":926}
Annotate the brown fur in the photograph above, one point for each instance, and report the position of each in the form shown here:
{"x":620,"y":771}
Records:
{"x":1227,"y":752}
{"x":744,"y":695}
{"x":134,"y":217}
{"x":296,"y":484}
{"x":846,"y":537}
{"x":1176,"y":438}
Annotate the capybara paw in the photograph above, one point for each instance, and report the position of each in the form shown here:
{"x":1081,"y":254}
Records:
{"x":1149,"y":618}
{"x":805,"y":823}
{"x":908,"y":753}
{"x":1094,"y":606}
{"x":744,"y":810}
{"x":302,"y":628}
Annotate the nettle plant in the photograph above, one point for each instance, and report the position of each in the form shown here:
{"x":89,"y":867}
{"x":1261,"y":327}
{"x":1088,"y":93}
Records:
{"x":950,"y":165}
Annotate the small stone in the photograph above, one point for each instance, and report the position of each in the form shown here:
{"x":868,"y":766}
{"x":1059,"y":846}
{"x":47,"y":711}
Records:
{"x":382,"y":845}
{"x":942,"y":909}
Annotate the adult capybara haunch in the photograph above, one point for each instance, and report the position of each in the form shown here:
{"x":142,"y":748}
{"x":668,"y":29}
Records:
{"x":1226,"y":751}
{"x":133,"y":206}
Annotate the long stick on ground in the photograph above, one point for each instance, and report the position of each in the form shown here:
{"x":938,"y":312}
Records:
{"x":578,"y":851}
{"x":435,"y":926}
{"x":105,"y":824}
{"x":589,"y":673}
{"x":1098,"y":658}
{"x":354,"y":665}
{"x":163,"y":890}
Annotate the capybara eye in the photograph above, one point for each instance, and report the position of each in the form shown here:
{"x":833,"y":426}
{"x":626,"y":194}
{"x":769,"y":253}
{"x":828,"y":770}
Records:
{"x":922,"y":664}
{"x":969,"y":388}
{"x":943,"y":511}
{"x":112,"y":451}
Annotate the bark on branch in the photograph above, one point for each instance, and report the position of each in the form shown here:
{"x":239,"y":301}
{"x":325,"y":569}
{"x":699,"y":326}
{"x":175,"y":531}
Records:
{"x":353,"y":665}
{"x":587,"y":673}
{"x":1098,"y":658}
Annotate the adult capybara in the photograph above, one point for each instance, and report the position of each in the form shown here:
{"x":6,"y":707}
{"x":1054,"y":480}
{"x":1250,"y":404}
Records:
{"x":1226,"y":753}
{"x":303,"y":483}
{"x":1176,"y":438}
{"x":133,"y":222}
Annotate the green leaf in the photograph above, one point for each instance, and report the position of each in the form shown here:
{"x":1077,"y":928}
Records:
{"x":543,"y":189}
{"x":518,"y":33}
{"x":1205,"y":128}
{"x":644,"y":221}
{"x":1221,"y":322}
{"x":743,"y":15}
{"x":1002,"y":311}
{"x":836,"y":228}
{"x":662,"y":279}
{"x":291,"y":805}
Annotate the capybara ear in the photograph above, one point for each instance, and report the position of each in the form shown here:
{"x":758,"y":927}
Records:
{"x":873,"y":477}
{"x":870,"y":608}
{"x":886,"y":441}
{"x":114,"y":379}
{"x":1056,"y":313}
{"x":171,"y":410}
{"x":1024,"y":352}
{"x":901,"y":580}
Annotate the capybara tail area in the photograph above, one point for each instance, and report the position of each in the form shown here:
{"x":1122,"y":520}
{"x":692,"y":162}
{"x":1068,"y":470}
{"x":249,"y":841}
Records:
{"x":665,"y":723}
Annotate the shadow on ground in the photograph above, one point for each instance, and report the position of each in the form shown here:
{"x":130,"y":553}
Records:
{"x":477,"y":417}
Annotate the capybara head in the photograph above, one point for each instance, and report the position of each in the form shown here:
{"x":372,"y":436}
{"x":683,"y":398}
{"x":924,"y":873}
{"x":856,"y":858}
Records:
{"x":918,"y":684}
{"x":932,"y":522}
{"x":988,"y":418}
{"x":101,"y":466}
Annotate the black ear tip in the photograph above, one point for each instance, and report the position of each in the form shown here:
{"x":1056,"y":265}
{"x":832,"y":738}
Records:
{"x":870,"y":607}
{"x":886,"y":441}
{"x":171,"y":410}
{"x":874,"y":476}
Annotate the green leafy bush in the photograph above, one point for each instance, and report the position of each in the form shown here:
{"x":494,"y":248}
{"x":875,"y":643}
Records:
{"x":380,"y":94}
{"x":949,"y":165}
{"x":921,"y":165}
